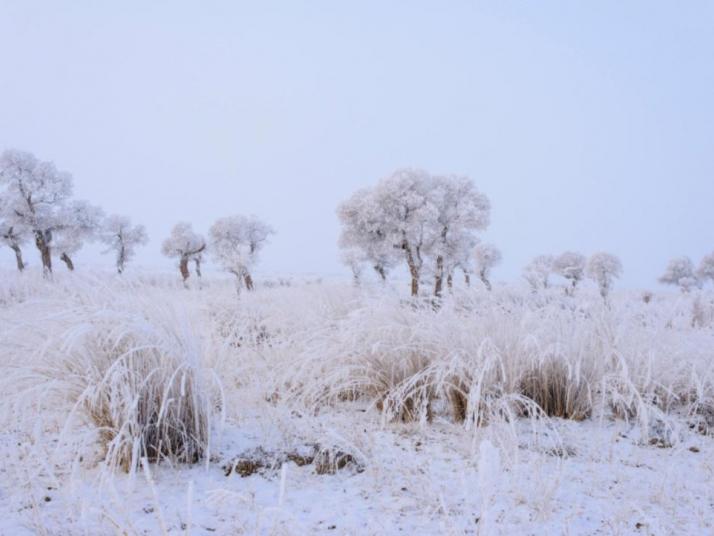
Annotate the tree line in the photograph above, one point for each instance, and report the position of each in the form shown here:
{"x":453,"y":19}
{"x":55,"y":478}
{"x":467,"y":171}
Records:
{"x":36,"y":205}
{"x":428,"y":223}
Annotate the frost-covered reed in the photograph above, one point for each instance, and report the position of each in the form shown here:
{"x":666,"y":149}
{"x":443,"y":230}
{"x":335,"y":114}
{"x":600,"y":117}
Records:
{"x":91,"y":363}
{"x":132,"y":366}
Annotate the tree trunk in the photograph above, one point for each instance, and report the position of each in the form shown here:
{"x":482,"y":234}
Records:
{"x":18,"y":257}
{"x":439,"y":281}
{"x":450,"y":281}
{"x":248,"y":281}
{"x":414,"y":269}
{"x":415,"y":280}
{"x":570,"y":291}
{"x":467,"y":279}
{"x":68,"y":261}
{"x":239,"y":280}
{"x":183,"y":268}
{"x":44,"y":248}
{"x":380,"y":270}
{"x":485,"y":281}
{"x":197,"y":264}
{"x":121,"y":258}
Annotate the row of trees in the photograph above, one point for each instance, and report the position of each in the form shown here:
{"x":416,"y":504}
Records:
{"x":429,"y":223}
{"x":36,"y":205}
{"x":682,"y":273}
{"x":603,"y":268}
{"x":234,"y":242}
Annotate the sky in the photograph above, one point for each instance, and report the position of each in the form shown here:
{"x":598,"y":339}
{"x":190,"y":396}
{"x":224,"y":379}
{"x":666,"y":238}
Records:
{"x":589,"y":125}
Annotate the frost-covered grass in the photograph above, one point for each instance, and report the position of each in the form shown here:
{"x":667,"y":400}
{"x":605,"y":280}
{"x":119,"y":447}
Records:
{"x":486,"y":406}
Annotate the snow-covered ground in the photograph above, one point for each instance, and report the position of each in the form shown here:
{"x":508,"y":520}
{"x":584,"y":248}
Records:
{"x":641,"y":462}
{"x":414,"y":482}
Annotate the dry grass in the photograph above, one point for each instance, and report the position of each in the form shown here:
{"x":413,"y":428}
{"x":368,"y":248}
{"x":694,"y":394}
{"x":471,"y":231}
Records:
{"x":131,"y":365}
{"x":121,"y":366}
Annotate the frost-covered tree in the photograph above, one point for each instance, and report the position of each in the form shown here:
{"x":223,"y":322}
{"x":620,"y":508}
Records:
{"x":35,"y":192}
{"x":235,"y":242}
{"x":680,"y":272}
{"x":354,"y":260}
{"x":122,"y":238}
{"x":571,"y":266}
{"x":461,"y":210}
{"x":417,"y":217}
{"x":185,"y":245}
{"x":406,"y":217}
{"x":464,"y":262}
{"x":706,"y":268}
{"x":13,"y":238}
{"x":603,"y":268}
{"x":487,"y":256}
{"x":460,"y":256}
{"x":538,"y":270}
{"x":80,"y":224}
{"x":363,"y":229}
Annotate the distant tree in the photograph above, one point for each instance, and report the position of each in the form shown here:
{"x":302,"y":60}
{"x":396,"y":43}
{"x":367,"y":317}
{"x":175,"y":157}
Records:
{"x":571,"y":266}
{"x":680,"y":272}
{"x":418,"y":217}
{"x":464,"y":262}
{"x":122,"y":238}
{"x":235,"y":243}
{"x":354,"y":260}
{"x":80,"y":223}
{"x":487,"y":256}
{"x":538,"y":270}
{"x":13,"y":238}
{"x":35,"y":192}
{"x":460,"y":211}
{"x":186,"y":245}
{"x":407,"y":216}
{"x":197,"y":262}
{"x":363,"y":229}
{"x":706,"y":268}
{"x":603,"y":268}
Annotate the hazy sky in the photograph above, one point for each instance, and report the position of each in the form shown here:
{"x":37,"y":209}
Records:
{"x":590,"y":125}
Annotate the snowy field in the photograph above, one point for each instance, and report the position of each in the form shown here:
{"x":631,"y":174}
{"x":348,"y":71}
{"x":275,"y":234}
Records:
{"x":132,"y":405}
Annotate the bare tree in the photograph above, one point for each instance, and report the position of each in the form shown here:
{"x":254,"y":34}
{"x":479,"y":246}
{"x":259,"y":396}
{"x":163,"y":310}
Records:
{"x":186,"y":245}
{"x":122,"y":238}
{"x":487,"y":256}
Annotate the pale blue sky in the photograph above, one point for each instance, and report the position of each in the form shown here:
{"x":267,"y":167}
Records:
{"x":589,"y":125}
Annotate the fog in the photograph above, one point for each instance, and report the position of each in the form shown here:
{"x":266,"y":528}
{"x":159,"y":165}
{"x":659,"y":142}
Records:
{"x":589,"y":126}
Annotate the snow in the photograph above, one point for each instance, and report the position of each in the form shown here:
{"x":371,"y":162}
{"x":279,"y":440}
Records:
{"x":537,"y":475}
{"x":415,"y":482}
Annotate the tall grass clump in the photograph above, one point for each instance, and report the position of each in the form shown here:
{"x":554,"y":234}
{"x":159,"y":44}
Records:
{"x":122,"y":371}
{"x":481,"y":356}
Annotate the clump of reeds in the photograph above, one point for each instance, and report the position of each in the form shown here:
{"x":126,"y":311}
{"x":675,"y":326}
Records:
{"x":127,"y":367}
